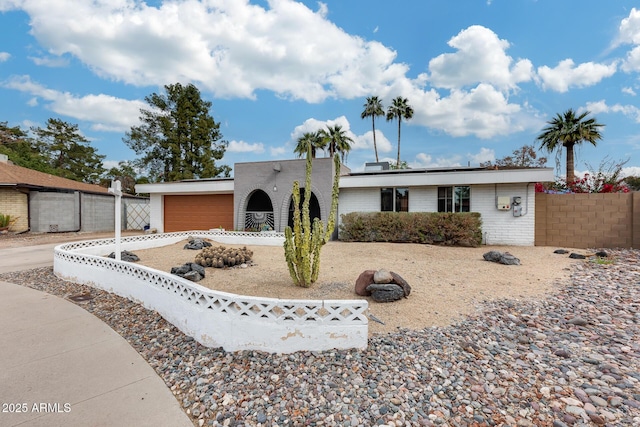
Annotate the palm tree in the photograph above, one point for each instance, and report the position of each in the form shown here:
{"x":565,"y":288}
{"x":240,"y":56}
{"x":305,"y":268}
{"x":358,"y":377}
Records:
{"x":566,"y":130}
{"x":337,"y":140}
{"x":372,"y":108}
{"x":315,"y":139}
{"x":399,"y":109}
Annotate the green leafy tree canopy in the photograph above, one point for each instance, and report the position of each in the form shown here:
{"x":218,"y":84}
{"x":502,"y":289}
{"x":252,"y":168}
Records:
{"x":178,"y":138}
{"x":67,"y":152}
{"x":373,"y":108}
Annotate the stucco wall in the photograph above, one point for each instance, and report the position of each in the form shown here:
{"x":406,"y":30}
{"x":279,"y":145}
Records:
{"x":16,"y":204}
{"x":498,"y":227}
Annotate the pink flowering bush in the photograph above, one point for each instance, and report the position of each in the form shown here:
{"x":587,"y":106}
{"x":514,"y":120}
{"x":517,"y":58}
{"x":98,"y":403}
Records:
{"x":598,"y":183}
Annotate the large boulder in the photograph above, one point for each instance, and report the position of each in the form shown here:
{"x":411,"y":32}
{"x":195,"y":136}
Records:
{"x":402,"y":283}
{"x":501,"y":258}
{"x":364,"y":279}
{"x":388,"y":292}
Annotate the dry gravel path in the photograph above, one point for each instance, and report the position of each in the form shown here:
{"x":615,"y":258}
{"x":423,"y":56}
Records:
{"x":570,"y":357}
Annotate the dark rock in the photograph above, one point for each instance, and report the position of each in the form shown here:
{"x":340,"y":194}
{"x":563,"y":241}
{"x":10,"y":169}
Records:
{"x":181,"y":270}
{"x":402,"y":283}
{"x":198,"y":268}
{"x":601,"y":254}
{"x":197,"y":243}
{"x":125,"y":256}
{"x":502,"y":258}
{"x":365,"y":279}
{"x":385,"y":292}
{"x":561,"y":251}
{"x":576,"y":256}
{"x":192,"y":275}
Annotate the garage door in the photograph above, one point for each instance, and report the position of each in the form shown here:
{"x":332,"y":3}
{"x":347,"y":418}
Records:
{"x":184,"y":213}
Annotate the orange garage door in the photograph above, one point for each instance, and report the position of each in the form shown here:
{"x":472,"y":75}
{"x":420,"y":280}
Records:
{"x":184,"y":213}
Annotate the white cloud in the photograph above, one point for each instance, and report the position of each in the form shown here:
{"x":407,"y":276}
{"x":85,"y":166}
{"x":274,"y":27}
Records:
{"x":4,"y":56}
{"x":277,"y":151}
{"x":49,"y":61}
{"x":631,"y":171}
{"x":566,"y":75}
{"x":230,"y":48}
{"x":423,"y":160}
{"x":245,"y":147}
{"x":485,"y":155}
{"x":601,"y":107}
{"x":629,"y":29}
{"x":107,"y":113}
{"x":480,"y":57}
{"x":365,"y":142}
{"x":629,"y":91}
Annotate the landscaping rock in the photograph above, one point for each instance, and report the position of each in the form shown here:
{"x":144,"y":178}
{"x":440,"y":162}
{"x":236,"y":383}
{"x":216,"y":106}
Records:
{"x":561,"y":251}
{"x":402,"y":283}
{"x":190,"y":271}
{"x":574,"y":255}
{"x":364,"y":279}
{"x":197,"y":243}
{"x":501,"y":257}
{"x":125,"y":256}
{"x":385,"y":292}
{"x":382,"y":276}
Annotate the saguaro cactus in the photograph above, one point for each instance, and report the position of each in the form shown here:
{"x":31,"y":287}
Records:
{"x":302,"y":244}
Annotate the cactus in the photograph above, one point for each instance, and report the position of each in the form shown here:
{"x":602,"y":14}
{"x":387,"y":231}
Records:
{"x":302,"y":245}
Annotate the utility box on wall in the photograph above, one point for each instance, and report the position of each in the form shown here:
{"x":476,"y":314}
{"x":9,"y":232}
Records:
{"x":504,"y":203}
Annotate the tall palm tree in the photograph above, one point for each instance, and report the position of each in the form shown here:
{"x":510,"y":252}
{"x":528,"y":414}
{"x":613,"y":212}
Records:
{"x":314,"y":139}
{"x":337,"y":140}
{"x":399,"y":109}
{"x":568,"y":130}
{"x":372,"y":108}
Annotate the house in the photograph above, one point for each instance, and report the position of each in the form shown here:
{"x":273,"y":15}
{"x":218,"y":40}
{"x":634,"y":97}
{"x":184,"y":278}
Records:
{"x":259,"y":196}
{"x":46,"y":203}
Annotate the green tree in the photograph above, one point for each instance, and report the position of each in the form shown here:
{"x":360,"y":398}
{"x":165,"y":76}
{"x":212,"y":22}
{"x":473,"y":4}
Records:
{"x":633,"y":182}
{"x":20,"y":149}
{"x":399,"y":109}
{"x":373,"y":108}
{"x":178,"y":138}
{"x":336,"y":139}
{"x":524,"y":156}
{"x":568,"y":130}
{"x":315,"y":140}
{"x":68,"y":152}
{"x":126,"y":173}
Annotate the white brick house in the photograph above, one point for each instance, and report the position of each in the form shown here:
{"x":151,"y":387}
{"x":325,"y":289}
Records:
{"x":490,"y":192}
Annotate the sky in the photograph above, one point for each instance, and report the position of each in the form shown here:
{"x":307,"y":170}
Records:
{"x":482,"y":76}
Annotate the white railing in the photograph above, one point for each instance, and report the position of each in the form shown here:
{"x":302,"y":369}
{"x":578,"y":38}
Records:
{"x":213,"y":318}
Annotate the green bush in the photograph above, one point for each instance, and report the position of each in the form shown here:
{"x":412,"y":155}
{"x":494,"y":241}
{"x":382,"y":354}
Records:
{"x":455,"y":229}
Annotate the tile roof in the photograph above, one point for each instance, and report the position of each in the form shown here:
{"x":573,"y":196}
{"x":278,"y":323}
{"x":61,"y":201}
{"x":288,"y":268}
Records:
{"x":13,"y":175}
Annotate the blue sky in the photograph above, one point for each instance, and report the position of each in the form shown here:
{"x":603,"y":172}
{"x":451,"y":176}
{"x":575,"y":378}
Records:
{"x":483,"y":77}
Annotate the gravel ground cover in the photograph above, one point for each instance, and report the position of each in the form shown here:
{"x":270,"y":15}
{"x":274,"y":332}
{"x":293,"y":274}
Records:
{"x":569,"y":359}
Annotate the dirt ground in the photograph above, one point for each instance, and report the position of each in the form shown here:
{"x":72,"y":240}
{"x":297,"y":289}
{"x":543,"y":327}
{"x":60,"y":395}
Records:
{"x":446,"y":282}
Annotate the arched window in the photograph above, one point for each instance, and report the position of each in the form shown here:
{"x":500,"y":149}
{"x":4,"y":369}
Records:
{"x":314,"y":207}
{"x":259,"y":213}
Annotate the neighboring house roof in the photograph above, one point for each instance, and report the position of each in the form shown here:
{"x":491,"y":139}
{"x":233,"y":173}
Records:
{"x":16,"y":176}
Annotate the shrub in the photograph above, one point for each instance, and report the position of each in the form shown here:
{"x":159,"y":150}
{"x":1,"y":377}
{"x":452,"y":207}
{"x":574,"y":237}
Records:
{"x":463,"y":229}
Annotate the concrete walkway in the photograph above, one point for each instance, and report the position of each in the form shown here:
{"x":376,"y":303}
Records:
{"x":62,"y":366}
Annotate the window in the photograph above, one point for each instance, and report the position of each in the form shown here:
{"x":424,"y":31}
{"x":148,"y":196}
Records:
{"x":394,"y":199}
{"x":454,"y":199}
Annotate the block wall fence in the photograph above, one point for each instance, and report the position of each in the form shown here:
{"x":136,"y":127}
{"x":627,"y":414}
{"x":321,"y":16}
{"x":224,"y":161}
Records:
{"x":607,"y":220}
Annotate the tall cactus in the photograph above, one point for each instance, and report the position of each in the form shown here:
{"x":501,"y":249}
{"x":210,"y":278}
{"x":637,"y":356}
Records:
{"x":302,"y":244}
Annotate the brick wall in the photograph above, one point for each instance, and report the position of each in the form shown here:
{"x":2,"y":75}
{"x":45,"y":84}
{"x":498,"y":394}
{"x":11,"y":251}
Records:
{"x":588,"y":220}
{"x":16,"y":204}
